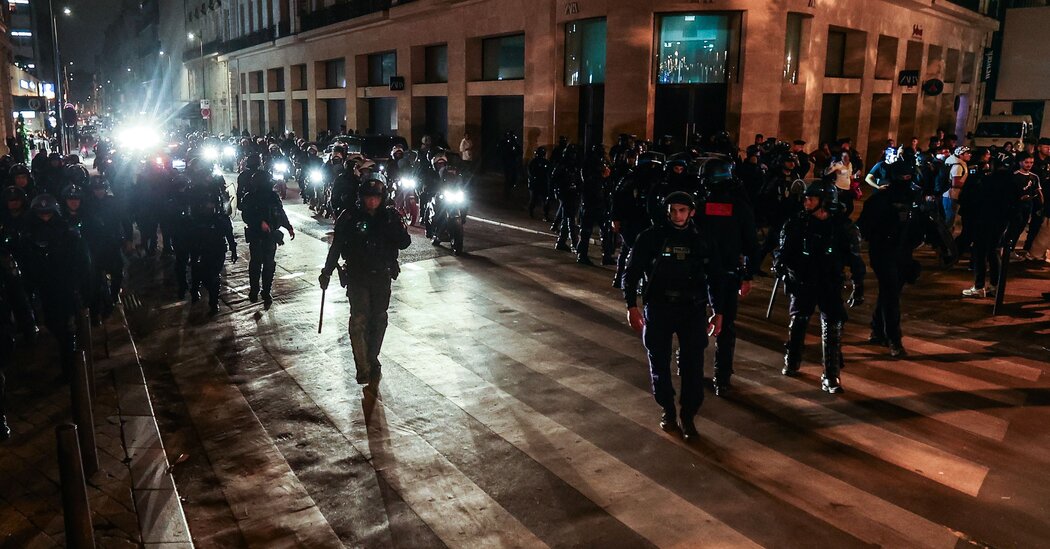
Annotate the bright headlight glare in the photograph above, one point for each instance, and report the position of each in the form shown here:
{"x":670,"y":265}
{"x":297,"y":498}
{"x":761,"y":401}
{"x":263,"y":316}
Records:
{"x":216,"y":170}
{"x":408,"y":183}
{"x":229,"y":152}
{"x":455,"y":197}
{"x":210,"y":154}
{"x":280,"y":167}
{"x":316,"y":176}
{"x":138,"y":137}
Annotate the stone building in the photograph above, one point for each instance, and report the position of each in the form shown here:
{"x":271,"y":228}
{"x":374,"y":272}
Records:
{"x":592,"y":69}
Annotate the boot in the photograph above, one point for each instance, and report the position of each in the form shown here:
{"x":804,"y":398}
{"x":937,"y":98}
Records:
{"x":669,"y":420}
{"x":253,"y":295}
{"x":897,"y":350}
{"x":267,"y":300}
{"x":831,"y":337}
{"x":608,"y":260}
{"x":796,"y":339}
{"x":689,"y":432}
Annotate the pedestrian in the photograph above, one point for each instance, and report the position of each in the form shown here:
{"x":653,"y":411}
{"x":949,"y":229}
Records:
{"x":1026,"y":191}
{"x":467,"y":153}
{"x":368,"y":237}
{"x":958,"y":171}
{"x":684,"y":272}
{"x":264,"y":217}
{"x":1041,"y":168}
{"x":845,"y":173}
{"x":815,"y":246}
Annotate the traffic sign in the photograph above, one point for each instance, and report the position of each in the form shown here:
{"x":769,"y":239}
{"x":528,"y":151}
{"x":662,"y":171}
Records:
{"x":205,"y":104}
{"x":205,"y":113}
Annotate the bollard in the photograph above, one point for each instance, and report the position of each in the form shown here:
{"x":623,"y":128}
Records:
{"x":83,"y":415}
{"x":76,"y":511}
{"x":84,"y":343}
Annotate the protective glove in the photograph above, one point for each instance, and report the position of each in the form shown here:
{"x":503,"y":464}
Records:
{"x":856,"y":298}
{"x":636,"y":319}
{"x":324,"y":279}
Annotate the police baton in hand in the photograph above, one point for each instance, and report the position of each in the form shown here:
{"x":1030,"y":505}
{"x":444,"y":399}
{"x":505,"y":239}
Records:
{"x":323,"y":281}
{"x":772,"y":297}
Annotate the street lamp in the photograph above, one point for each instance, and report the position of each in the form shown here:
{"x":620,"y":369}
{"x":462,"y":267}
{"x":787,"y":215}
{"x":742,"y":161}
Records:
{"x":204,"y":77}
{"x":59,"y":88}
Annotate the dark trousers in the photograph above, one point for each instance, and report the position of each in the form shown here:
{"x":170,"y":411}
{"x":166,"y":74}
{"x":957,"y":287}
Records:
{"x":588,"y":221}
{"x":262,"y":263}
{"x":182,"y":263}
{"x":1034,"y":225}
{"x":689,"y":322}
{"x":1017,"y":223}
{"x":570,"y":231}
{"x":725,"y":342}
{"x":804,"y":300}
{"x":538,"y":197}
{"x":148,"y":226}
{"x":986,"y":258}
{"x":369,"y":295}
{"x":60,"y":319}
{"x":206,"y":270}
{"x":886,"y":317}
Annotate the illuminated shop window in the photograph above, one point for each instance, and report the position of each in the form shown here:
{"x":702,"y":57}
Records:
{"x":585,"y":52}
{"x":503,"y":58}
{"x":694,"y":49}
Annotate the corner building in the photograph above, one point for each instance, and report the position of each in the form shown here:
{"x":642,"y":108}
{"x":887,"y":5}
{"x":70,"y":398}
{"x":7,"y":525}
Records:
{"x":592,"y":69}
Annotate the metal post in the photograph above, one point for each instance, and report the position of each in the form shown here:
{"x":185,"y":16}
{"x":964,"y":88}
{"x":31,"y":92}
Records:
{"x":58,"y":79}
{"x":83,"y":415}
{"x":76,"y":511}
{"x":85,"y":344}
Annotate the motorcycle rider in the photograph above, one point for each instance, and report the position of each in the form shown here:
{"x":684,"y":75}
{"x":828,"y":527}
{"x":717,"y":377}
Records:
{"x":368,"y":238}
{"x":311,"y":189}
{"x":726,"y":212}
{"x":264,"y":217}
{"x":815,"y":246}
{"x":683,"y":267}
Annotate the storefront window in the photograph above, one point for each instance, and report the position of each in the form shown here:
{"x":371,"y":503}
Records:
{"x":792,"y":47}
{"x":694,"y":49}
{"x":503,"y":58}
{"x":585,"y":52}
{"x":381,"y":66}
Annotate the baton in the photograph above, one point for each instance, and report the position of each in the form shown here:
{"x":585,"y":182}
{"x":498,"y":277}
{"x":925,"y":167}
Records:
{"x":772,"y":297}
{"x":320,"y":320}
{"x":1000,"y":292}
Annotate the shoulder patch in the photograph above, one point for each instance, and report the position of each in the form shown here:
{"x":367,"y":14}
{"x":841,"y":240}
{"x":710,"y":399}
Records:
{"x":718,"y":209}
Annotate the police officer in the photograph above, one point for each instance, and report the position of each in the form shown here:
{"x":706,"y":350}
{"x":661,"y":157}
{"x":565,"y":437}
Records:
{"x":252,"y":166}
{"x":13,"y":222}
{"x":211,"y":236}
{"x":594,"y":212}
{"x":683,"y":268}
{"x":726,"y":212}
{"x":110,"y":232}
{"x":21,"y":178}
{"x":7,"y":344}
{"x":368,"y":238}
{"x":890,"y":224}
{"x":538,"y":174}
{"x":630,"y":215}
{"x":263,"y":215}
{"x":815,"y":246}
{"x":567,"y":184}
{"x":780,"y":199}
{"x":57,"y":266}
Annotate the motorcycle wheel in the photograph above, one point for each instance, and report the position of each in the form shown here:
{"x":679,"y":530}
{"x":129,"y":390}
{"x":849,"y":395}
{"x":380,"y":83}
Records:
{"x":455,"y":230}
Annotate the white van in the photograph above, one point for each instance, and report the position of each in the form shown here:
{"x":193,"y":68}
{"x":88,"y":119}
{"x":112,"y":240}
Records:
{"x":998,"y":130}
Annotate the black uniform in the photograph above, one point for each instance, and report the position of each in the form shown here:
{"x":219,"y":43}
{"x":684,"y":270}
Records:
{"x":683,"y":271}
{"x":811,"y":258}
{"x":109,"y":229}
{"x":210,"y":233}
{"x":726,"y":212}
{"x":594,"y":211}
{"x":890,"y":222}
{"x":538,"y":173}
{"x":263,"y":206}
{"x":567,"y":185}
{"x":369,"y":244}
{"x":629,"y":210}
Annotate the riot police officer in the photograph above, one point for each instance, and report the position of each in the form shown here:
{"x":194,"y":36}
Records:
{"x":567,"y":184}
{"x":252,"y":166}
{"x":368,"y":238}
{"x":210,"y":235}
{"x":890,"y":224}
{"x":683,"y":268}
{"x":815,"y":246}
{"x":264,"y":216}
{"x":538,"y":174}
{"x":726,"y":212}
{"x":21,"y":178}
{"x":630,"y":215}
{"x":594,"y":209}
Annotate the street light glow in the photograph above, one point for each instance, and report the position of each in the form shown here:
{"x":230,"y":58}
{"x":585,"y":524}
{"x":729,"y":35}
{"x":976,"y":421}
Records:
{"x":162,"y":52}
{"x":191,"y":36}
{"x":67,"y":11}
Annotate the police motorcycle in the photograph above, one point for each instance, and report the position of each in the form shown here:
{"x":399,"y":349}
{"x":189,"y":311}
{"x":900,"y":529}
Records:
{"x":316,"y":180}
{"x":406,"y":189}
{"x":449,"y":211}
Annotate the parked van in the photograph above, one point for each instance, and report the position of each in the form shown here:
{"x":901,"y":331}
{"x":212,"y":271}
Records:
{"x":998,"y":130}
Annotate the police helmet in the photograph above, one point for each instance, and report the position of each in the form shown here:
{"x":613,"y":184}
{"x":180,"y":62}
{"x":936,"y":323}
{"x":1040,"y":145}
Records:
{"x":680,"y":197}
{"x":55,"y":157}
{"x":373,"y":186}
{"x":77,"y":175}
{"x":961,"y":150}
{"x":274,"y":148}
{"x":18,"y":169}
{"x":651,"y":159}
{"x":439,"y":157}
{"x":717,"y":170}
{"x":44,"y":203}
{"x":72,"y":159}
{"x":677,"y":162}
{"x":395,"y":150}
{"x":788,"y":157}
{"x":312,"y":149}
{"x":821,"y":190}
{"x":253,"y":160}
{"x":73,"y":192}
{"x":98,"y":183}
{"x":14,"y":193}
{"x":541,"y":152}
{"x":260,"y":180}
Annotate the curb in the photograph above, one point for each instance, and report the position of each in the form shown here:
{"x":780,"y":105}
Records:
{"x":157,"y":503}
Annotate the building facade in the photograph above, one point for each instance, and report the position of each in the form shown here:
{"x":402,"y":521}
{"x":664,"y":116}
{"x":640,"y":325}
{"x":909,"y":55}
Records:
{"x":1023,"y":84}
{"x":592,"y":69}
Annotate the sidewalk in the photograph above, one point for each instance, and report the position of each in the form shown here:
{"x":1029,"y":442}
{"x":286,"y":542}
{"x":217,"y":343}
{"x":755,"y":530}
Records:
{"x":132,"y":499}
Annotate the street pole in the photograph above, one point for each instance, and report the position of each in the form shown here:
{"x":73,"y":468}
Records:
{"x":59,"y":134}
{"x":204,"y":80}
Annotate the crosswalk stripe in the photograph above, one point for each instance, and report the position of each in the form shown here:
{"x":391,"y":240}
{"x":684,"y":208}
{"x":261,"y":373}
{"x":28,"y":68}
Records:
{"x":454,"y":507}
{"x":846,"y":507}
{"x":911,"y":455}
{"x":608,"y":482}
{"x":989,"y":363}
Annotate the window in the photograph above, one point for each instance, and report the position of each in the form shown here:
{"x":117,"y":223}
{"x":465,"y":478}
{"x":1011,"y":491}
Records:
{"x":299,"y":77}
{"x":836,"y":64}
{"x":694,"y":49}
{"x":503,"y":58}
{"x":381,"y":66}
{"x":436,"y":64}
{"x":793,"y":47}
{"x":335,"y":73}
{"x":585,"y":52}
{"x":276,"y":79}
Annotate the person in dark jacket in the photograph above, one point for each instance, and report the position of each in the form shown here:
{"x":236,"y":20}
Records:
{"x":538,"y":173}
{"x":368,"y":238}
{"x":264,"y":217}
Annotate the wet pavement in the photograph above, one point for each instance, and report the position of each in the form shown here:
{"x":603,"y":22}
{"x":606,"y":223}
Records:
{"x":514,"y":411}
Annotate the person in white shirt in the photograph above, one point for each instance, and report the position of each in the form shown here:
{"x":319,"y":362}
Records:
{"x":958,"y":172}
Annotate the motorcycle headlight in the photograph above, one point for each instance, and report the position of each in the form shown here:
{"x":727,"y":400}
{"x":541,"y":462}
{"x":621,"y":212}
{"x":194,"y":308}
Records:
{"x":280,"y":167}
{"x":229,"y":152}
{"x":216,"y":170}
{"x":408,"y":183}
{"x":316,"y":176}
{"x":456,"y":197}
{"x":210,"y":154}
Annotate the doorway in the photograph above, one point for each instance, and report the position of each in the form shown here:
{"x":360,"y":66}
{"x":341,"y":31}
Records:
{"x":435,"y":117}
{"x":499,"y":114}
{"x":382,"y":116}
{"x":687,"y":110}
{"x":592,"y":115}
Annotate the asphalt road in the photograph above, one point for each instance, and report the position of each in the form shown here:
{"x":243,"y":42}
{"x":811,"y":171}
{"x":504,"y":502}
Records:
{"x":514,"y":410}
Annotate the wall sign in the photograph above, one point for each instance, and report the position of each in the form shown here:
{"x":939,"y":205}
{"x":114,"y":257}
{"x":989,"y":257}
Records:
{"x":572,"y":8}
{"x":397,"y":83}
{"x":908,"y":79}
{"x":987,"y":64}
{"x":916,"y":32}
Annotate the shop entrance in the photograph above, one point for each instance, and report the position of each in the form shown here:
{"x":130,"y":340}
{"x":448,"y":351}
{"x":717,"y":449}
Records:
{"x":687,"y":110}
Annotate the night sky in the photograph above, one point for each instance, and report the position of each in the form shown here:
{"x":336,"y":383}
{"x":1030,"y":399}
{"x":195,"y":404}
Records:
{"x":82,"y":33}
